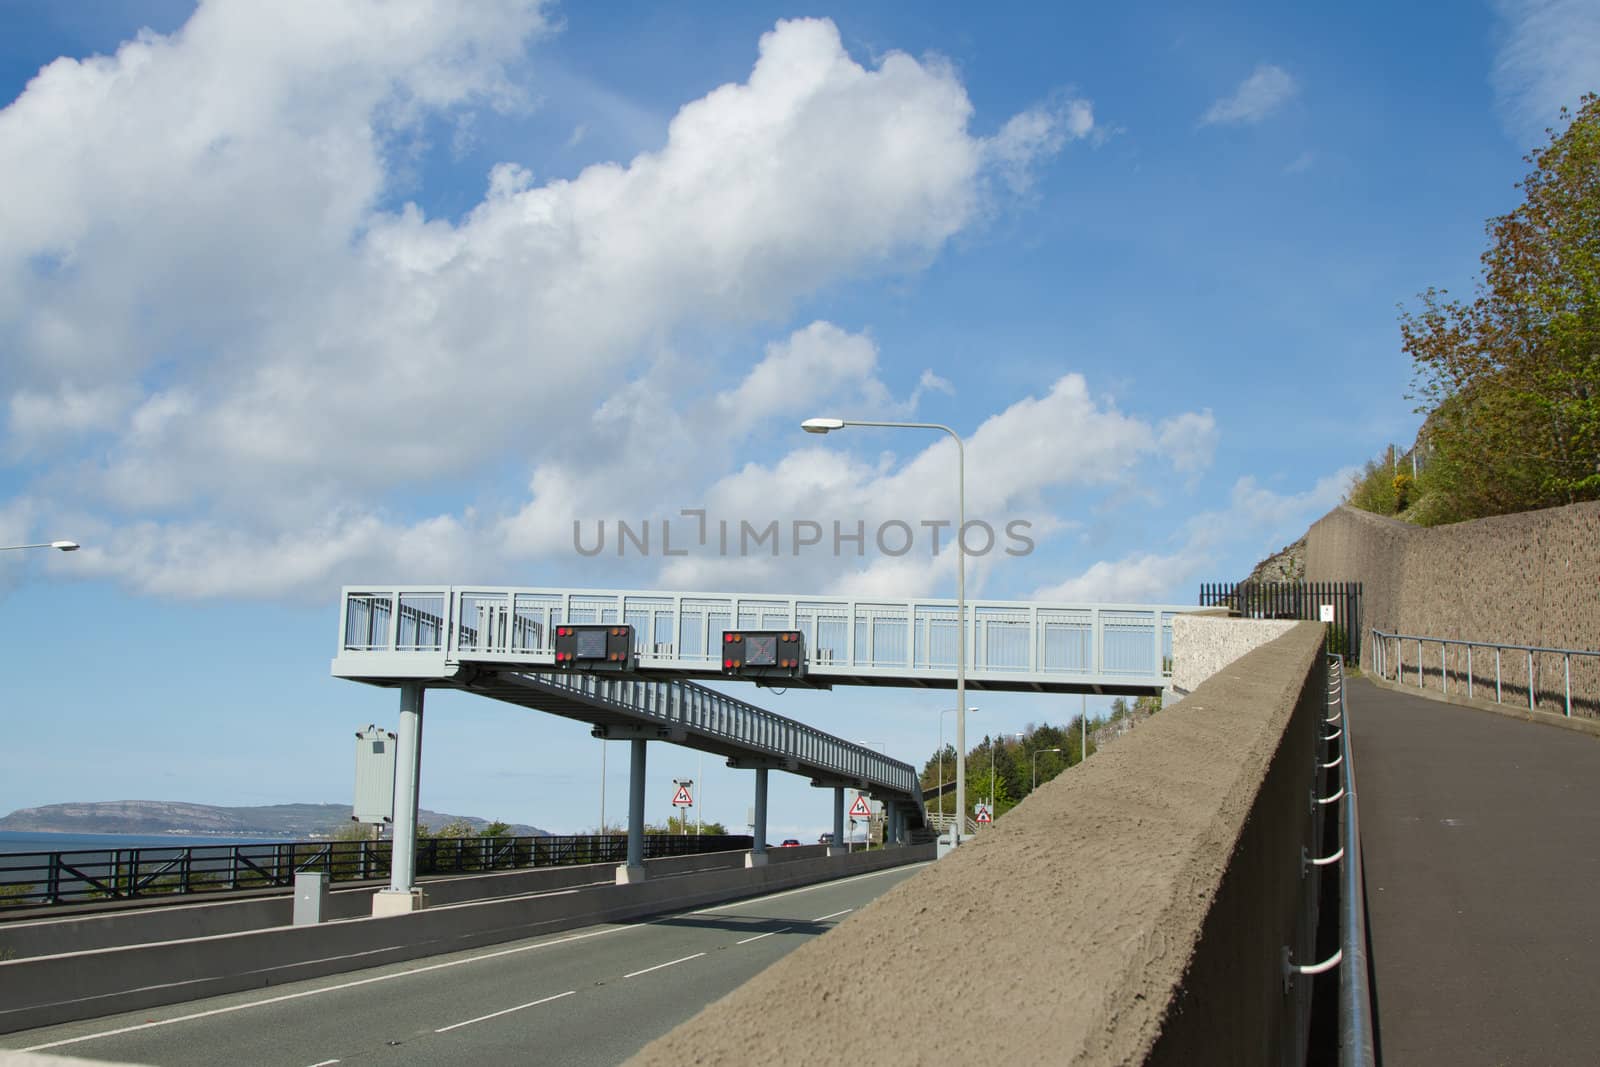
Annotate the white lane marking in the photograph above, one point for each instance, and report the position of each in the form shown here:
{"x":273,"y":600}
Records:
{"x":669,"y":963}
{"x":325,"y":1063}
{"x":833,"y":915}
{"x":438,"y":966}
{"x":329,"y":989}
{"x":497,"y":1014}
{"x":810,"y":888}
{"x":758,"y":937}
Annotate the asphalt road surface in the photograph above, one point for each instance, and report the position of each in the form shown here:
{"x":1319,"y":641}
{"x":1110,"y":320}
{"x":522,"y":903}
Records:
{"x":584,"y":997}
{"x":1480,"y":839}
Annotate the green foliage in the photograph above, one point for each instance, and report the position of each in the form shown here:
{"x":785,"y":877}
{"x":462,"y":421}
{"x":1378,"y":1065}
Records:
{"x":681,"y":823}
{"x":931,"y":776}
{"x":13,"y":892}
{"x":1511,"y":380}
{"x":458,"y":828}
{"x":1374,"y":488}
{"x":496,"y":829}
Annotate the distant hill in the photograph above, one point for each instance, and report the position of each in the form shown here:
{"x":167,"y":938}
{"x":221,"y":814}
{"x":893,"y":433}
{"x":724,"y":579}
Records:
{"x":298,"y":821}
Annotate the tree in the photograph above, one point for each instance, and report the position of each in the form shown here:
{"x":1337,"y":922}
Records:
{"x":931,"y":774}
{"x":458,"y":828}
{"x":496,"y":829}
{"x":683,"y":823}
{"x":1511,"y":381}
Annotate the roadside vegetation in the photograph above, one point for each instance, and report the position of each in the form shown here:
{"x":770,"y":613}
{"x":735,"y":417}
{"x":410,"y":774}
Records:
{"x":1509,"y":381}
{"x":1013,"y":757}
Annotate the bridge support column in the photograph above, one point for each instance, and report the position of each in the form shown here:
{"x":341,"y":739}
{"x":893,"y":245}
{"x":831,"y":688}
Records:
{"x":891,"y":823}
{"x":402,"y":895}
{"x":839,"y":845}
{"x":758,"y":848}
{"x":633,"y":871}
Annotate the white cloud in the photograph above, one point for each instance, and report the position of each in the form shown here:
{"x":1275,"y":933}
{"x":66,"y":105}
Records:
{"x":204,"y":558}
{"x":1064,"y":438}
{"x":1259,"y":96}
{"x":199,"y":262}
{"x":1145,"y":578}
{"x":69,"y":409}
{"x":1301,"y":163}
{"x":1548,"y":57}
{"x":1190,"y":440}
{"x":811,"y":364}
{"x":1036,"y":133}
{"x":1257,"y":522}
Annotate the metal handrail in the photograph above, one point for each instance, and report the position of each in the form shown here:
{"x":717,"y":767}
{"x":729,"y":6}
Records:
{"x":1046,"y":642}
{"x":85,"y":876}
{"x":1381,"y":654}
{"x":710,"y":712}
{"x":1356,"y":1046}
{"x":1356,"y":1041}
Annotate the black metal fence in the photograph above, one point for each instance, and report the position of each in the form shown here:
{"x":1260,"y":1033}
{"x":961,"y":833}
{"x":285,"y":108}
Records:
{"x":1295,"y":600}
{"x":80,"y":877}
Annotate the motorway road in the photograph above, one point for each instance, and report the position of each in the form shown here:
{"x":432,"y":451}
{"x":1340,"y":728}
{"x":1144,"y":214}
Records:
{"x":584,"y":997}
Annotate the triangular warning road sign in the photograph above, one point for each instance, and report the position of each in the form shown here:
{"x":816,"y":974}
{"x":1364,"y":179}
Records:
{"x":682,"y":798}
{"x":859,"y":809}
{"x":983,"y":814}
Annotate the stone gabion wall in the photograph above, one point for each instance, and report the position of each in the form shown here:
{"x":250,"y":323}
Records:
{"x":1526,"y":579}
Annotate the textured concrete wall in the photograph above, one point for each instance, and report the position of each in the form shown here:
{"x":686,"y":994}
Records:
{"x":1202,"y":645}
{"x":1131,"y":910}
{"x":1527,"y":579}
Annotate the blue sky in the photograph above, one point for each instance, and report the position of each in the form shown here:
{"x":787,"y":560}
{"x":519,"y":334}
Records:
{"x":300,"y":295}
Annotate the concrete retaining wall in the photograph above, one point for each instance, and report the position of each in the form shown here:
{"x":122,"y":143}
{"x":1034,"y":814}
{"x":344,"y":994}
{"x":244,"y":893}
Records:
{"x":1204,"y":644}
{"x":199,"y":917}
{"x":58,"y":988}
{"x":1526,"y":579}
{"x":1133,"y":909}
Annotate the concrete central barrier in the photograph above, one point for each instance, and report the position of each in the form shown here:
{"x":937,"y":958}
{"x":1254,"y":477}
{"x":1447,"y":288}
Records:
{"x":196,"y":916}
{"x":81,"y":985}
{"x":1133,"y":910}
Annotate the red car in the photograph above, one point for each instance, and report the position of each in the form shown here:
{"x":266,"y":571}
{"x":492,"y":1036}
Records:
{"x":790,"y":842}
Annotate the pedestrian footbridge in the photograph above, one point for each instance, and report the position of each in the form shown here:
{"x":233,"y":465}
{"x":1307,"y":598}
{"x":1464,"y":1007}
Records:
{"x":404,"y":633}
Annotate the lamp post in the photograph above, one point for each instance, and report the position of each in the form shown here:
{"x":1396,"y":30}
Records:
{"x":63,"y":546}
{"x":1036,"y":765}
{"x":824,"y":425}
{"x":942,"y":713}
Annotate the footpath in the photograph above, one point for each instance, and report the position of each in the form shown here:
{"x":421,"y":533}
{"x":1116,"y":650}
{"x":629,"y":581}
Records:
{"x":1481,"y":845}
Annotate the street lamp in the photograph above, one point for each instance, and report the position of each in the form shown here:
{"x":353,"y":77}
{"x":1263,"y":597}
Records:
{"x":942,"y":713}
{"x":64,"y":546}
{"x":824,"y":425}
{"x":1036,"y":765}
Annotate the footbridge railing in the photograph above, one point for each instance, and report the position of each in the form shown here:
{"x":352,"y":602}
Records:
{"x":1018,"y":645}
{"x":703,"y":714}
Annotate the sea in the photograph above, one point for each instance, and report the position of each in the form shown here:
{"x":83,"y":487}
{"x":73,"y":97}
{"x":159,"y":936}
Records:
{"x":21,"y":841}
{"x":92,"y":854}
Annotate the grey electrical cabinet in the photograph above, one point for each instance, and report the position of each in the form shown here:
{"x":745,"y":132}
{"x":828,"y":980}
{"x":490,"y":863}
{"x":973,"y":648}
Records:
{"x":374,"y":776}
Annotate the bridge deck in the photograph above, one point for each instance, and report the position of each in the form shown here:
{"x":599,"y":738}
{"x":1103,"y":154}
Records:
{"x":428,"y":631}
{"x":1481,"y":844}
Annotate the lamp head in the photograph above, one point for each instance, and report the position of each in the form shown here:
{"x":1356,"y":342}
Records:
{"x":822,"y":425}
{"x":65,"y":546}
